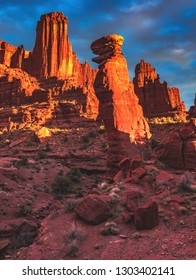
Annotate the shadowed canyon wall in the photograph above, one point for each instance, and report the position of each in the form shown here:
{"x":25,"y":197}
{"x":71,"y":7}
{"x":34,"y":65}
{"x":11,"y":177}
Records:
{"x":156,"y":98}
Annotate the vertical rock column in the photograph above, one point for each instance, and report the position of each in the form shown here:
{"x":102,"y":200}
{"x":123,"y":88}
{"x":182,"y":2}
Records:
{"x":52,"y":54}
{"x":119,"y":108}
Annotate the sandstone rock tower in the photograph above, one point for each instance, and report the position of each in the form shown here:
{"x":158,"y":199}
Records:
{"x":119,"y":108}
{"x":156,"y":98}
{"x":52,"y":54}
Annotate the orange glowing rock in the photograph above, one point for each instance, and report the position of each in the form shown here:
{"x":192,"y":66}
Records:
{"x":119,"y":108}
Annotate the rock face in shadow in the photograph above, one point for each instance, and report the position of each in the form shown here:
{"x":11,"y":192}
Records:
{"x":180,"y":150}
{"x":156,"y":98}
{"x":119,"y":108}
{"x":192,"y":110}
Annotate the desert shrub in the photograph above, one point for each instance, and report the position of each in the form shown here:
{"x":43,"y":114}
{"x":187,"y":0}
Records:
{"x":74,"y":174}
{"x":70,"y":204}
{"x":41,"y":154}
{"x":85,"y":138}
{"x":23,"y":211}
{"x":114,"y":198}
{"x":63,"y":184}
{"x":3,"y":187}
{"x":154,"y":144}
{"x":104,"y":147}
{"x":184,"y":185}
{"x":92,"y":134}
{"x":74,"y":236}
{"x":65,"y":138}
{"x":116,"y":211}
{"x":110,"y":228}
{"x":26,"y":238}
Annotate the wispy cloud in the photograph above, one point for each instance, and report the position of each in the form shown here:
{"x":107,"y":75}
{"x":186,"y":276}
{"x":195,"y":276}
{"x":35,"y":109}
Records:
{"x":138,"y":6}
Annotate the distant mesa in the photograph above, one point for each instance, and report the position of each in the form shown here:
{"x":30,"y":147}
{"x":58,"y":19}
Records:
{"x":156,"y":98}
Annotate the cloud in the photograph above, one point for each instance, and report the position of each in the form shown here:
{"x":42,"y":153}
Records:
{"x":138,"y":6}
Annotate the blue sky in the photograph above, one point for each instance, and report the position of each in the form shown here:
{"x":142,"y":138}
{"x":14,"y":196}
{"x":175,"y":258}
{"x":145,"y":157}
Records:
{"x":161,"y":32}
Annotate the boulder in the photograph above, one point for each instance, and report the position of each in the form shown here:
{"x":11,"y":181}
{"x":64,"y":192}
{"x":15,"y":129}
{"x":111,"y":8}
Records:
{"x":179,"y":152}
{"x":138,"y":174}
{"x":94,"y":209}
{"x":146,"y":216}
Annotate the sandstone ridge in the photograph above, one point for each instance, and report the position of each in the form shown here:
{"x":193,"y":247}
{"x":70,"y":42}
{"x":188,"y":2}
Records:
{"x":156,"y":98}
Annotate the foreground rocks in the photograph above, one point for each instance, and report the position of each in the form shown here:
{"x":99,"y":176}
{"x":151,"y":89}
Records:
{"x":179,"y":151}
{"x":119,"y":108}
{"x":94,"y":209}
{"x":146,"y":216}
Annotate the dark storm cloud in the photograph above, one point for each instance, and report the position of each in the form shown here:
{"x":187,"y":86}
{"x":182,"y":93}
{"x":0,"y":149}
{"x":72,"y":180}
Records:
{"x":160,"y":31}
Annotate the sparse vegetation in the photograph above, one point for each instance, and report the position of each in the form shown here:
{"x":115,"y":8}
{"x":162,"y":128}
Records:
{"x":3,"y":187}
{"x":23,"y":211}
{"x":155,"y":144}
{"x":110,"y":228}
{"x":185,"y":183}
{"x":70,"y":204}
{"x":64,"y":184}
{"x":41,"y":154}
{"x":167,"y":120}
{"x":74,"y":236}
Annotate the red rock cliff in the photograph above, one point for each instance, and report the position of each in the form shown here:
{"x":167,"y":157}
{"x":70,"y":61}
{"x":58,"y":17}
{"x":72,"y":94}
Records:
{"x":119,"y":108}
{"x":156,"y":98}
{"x":10,"y":55}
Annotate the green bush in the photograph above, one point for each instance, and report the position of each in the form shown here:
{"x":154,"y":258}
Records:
{"x":23,"y":211}
{"x":63,"y":184}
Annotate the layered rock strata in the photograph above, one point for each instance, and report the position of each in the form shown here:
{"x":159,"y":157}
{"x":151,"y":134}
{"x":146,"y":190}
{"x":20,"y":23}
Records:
{"x":119,"y":108}
{"x":156,"y":98}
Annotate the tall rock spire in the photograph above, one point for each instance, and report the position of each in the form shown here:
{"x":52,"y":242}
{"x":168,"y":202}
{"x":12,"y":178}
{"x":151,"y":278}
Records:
{"x":52,"y":54}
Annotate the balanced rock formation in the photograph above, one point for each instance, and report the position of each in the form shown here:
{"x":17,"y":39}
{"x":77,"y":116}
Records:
{"x":156,"y":98}
{"x":179,"y":152}
{"x":119,"y":108}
